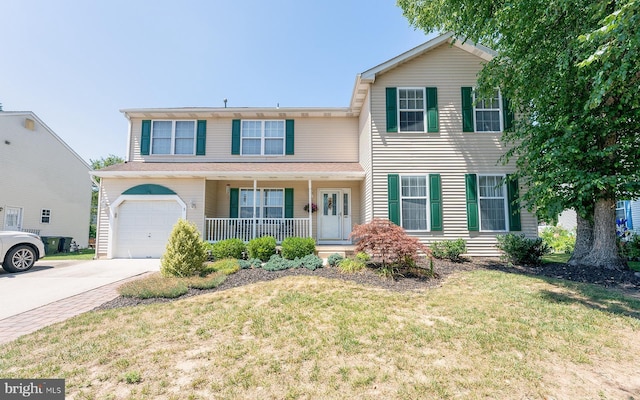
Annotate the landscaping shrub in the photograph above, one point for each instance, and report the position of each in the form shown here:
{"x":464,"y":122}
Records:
{"x":560,"y":240}
{"x":277,"y":263}
{"x":226,"y":266}
{"x":521,"y":250}
{"x":630,"y":249}
{"x":334,"y":259}
{"x":298,"y":247}
{"x":185,"y":253}
{"x":310,"y":261}
{"x":252,"y":263}
{"x":387,"y":243}
{"x":449,"y":249}
{"x":263,"y":247}
{"x":229,"y":248}
{"x":352,"y":265}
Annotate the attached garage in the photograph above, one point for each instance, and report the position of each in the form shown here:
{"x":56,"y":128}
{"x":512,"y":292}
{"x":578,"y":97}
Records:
{"x":143,"y":227}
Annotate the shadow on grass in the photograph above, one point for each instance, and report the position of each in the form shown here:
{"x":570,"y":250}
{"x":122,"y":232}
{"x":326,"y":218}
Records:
{"x":616,"y":292}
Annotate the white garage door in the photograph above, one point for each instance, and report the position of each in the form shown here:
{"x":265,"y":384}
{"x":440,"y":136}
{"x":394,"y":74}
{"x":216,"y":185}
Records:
{"x":144,"y":227}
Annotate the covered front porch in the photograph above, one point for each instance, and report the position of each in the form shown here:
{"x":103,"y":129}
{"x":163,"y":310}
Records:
{"x":323,"y":209}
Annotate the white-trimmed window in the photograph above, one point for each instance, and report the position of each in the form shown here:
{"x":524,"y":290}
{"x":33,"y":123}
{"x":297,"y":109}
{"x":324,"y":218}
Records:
{"x":45,"y":216}
{"x":414,"y":202}
{"x":262,"y":137}
{"x":411,"y":109}
{"x":173,"y":137}
{"x":492,"y":195}
{"x":269,"y":203}
{"x":488,"y":113}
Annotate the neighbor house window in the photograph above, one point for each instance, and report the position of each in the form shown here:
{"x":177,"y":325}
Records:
{"x":269,"y":203}
{"x":173,"y":137}
{"x":488,"y":113}
{"x":45,"y":216}
{"x":411,"y":109}
{"x":413,"y":202}
{"x":493,"y":203}
{"x":262,"y":137}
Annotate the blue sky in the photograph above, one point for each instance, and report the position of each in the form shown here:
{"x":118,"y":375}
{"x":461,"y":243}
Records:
{"x":77,"y":63}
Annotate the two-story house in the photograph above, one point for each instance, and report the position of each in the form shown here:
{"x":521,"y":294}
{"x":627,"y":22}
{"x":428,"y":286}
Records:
{"x":45,"y":187}
{"x":413,"y":146}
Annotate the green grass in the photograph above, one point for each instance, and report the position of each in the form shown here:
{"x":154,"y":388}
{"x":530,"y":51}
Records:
{"x":481,"y":334}
{"x":156,"y":285}
{"x":83,"y":254}
{"x":564,"y":258}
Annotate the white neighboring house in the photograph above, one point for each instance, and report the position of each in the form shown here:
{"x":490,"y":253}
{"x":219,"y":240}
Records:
{"x":45,"y":187}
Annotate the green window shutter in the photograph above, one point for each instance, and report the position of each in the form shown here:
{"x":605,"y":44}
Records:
{"x":435,"y":198}
{"x":288,"y":203}
{"x":507,"y":114}
{"x":201,"y":138}
{"x":235,"y":137}
{"x":467,"y":109}
{"x":392,"y":110}
{"x":289,"y":135}
{"x":514,"y":205}
{"x":234,"y":202}
{"x":145,"y":139}
{"x":393,"y":197}
{"x":473,"y":219}
{"x":432,"y":110}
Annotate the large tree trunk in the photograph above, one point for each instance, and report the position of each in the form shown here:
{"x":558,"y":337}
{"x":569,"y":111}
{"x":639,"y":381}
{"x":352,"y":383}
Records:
{"x":584,"y":240}
{"x":604,"y":252}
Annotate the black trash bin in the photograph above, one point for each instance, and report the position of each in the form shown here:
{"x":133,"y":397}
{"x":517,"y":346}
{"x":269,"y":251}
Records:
{"x":65,"y":244}
{"x":51,"y":244}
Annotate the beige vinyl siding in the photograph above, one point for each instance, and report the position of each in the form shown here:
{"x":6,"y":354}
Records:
{"x":330,"y":139}
{"x":449,"y":152}
{"x":300,"y":196}
{"x":366,"y":187}
{"x":189,"y":190}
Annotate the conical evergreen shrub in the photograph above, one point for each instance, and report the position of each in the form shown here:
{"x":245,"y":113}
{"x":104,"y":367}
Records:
{"x":186,"y":252}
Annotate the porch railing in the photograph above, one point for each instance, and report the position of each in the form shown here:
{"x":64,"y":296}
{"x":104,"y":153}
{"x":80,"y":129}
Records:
{"x":217,"y":229}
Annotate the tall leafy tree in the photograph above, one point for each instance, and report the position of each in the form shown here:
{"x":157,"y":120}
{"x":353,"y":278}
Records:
{"x":576,"y":140}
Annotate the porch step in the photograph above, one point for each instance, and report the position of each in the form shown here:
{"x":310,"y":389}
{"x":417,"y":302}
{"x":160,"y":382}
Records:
{"x":326,"y":251}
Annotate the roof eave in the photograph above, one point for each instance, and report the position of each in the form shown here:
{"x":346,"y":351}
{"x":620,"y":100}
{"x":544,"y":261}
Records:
{"x":234,"y":175}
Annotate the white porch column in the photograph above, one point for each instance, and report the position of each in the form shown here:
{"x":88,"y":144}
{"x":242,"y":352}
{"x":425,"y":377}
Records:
{"x":255,"y":197}
{"x":310,"y":211}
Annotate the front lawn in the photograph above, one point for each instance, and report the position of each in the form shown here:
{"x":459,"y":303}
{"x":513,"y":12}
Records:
{"x":82,"y":254}
{"x":564,"y":258}
{"x":481,"y":334}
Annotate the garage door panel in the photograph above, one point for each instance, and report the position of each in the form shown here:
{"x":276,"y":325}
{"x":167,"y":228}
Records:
{"x":144,"y":227}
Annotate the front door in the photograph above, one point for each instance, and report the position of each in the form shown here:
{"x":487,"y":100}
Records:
{"x":334,"y":222}
{"x":13,"y":219}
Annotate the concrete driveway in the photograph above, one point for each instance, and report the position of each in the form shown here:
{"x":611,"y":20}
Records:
{"x":50,"y":281}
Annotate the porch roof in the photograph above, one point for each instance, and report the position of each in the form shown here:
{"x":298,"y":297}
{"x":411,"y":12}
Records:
{"x":235,"y":171}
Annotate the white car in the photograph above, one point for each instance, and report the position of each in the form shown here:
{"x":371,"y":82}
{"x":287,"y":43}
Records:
{"x":19,"y":250}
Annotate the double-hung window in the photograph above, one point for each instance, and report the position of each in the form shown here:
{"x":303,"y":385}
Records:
{"x":263,"y":137}
{"x":269,"y":203}
{"x":411,"y":109}
{"x":413,"y":202}
{"x":493,"y":203}
{"x":173,"y":137}
{"x":488,"y":113}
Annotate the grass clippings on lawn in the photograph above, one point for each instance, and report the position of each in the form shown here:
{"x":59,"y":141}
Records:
{"x":482,"y":334}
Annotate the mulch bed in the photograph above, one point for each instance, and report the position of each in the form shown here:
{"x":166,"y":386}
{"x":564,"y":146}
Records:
{"x":628,"y":281}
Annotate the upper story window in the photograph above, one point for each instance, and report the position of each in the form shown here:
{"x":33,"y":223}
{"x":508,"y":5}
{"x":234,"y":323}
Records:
{"x":263,"y":137}
{"x":411,"y":109}
{"x":488,"y":113}
{"x":173,"y":137}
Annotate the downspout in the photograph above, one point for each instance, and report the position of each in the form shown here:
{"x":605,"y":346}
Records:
{"x":98,"y":212}
{"x":126,"y":158}
{"x":255,"y":218}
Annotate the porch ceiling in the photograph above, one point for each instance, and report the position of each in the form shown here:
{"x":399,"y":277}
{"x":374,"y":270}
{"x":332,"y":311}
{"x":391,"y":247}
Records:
{"x":235,"y":171}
